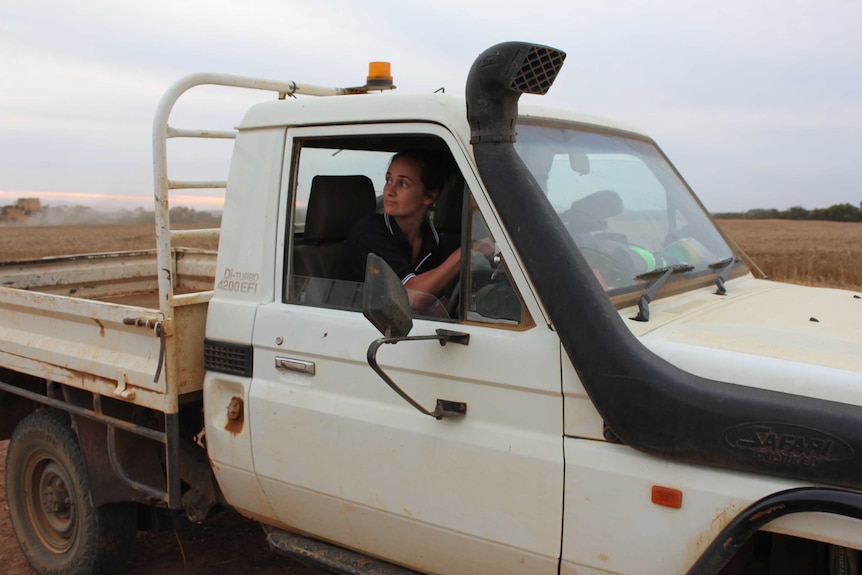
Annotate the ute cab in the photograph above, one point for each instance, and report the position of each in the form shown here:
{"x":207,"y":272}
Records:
{"x":580,"y":398}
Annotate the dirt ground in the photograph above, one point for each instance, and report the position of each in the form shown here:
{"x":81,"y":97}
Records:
{"x":228,"y":544}
{"x":31,"y":242}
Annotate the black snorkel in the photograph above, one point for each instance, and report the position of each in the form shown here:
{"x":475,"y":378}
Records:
{"x":648,"y":403}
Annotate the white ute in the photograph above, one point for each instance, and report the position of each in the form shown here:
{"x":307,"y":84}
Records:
{"x":611,"y":389}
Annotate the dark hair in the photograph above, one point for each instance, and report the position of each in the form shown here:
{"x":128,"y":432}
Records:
{"x":433,"y":167}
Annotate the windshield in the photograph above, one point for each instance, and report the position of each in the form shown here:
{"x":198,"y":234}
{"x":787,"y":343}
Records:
{"x":623,"y":204}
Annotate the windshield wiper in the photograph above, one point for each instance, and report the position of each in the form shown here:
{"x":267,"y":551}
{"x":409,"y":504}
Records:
{"x":727,"y":264}
{"x":662,"y":274}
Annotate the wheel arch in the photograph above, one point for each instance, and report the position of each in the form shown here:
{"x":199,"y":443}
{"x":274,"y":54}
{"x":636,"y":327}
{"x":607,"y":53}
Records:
{"x":741,"y":528}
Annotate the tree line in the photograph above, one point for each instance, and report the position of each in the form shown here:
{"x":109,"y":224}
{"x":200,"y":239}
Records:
{"x":834,"y":213}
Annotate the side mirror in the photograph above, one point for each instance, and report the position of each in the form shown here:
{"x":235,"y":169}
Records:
{"x":385,"y":303}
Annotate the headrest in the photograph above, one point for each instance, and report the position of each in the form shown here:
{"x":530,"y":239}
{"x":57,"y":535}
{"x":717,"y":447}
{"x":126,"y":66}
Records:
{"x":449,"y":206}
{"x":335,"y":203}
{"x":588,"y":214}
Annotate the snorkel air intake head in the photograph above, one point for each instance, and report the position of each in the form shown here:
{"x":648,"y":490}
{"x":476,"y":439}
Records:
{"x":498,"y":78}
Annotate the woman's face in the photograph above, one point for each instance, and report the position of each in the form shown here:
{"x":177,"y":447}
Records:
{"x":404,"y":194}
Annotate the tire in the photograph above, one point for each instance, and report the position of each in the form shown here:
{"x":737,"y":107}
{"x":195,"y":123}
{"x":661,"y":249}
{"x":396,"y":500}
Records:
{"x":48,"y":494}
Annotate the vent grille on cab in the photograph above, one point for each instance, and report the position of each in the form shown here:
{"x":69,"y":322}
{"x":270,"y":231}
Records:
{"x":230,"y":358}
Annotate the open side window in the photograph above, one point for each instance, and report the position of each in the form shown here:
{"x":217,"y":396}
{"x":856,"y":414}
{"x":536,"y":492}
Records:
{"x":338,"y":181}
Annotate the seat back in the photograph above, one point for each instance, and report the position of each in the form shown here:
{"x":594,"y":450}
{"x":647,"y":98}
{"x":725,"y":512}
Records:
{"x":335,"y":203}
{"x":448,"y":211}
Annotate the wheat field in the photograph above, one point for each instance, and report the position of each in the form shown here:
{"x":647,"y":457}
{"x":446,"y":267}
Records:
{"x":816,"y":253}
{"x":805,"y":252}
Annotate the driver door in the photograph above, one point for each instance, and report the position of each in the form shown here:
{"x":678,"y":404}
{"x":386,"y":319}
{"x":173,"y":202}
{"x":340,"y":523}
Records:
{"x":340,"y":456}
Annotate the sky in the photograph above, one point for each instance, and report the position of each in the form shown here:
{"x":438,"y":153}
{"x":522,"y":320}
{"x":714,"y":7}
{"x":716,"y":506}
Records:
{"x":757,"y":104}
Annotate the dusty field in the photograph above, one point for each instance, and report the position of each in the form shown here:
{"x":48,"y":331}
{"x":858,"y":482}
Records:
{"x":813,"y":253}
{"x":30,"y":242}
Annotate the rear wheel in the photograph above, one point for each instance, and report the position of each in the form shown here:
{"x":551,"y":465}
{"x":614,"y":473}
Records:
{"x":58,"y":528}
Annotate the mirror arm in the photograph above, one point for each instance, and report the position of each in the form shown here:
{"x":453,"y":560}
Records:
{"x":444,"y":408}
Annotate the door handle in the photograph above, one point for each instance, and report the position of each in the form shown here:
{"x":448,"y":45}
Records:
{"x":297,"y":365}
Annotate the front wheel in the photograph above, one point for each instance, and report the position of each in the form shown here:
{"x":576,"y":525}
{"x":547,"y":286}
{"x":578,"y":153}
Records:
{"x":59,"y":529}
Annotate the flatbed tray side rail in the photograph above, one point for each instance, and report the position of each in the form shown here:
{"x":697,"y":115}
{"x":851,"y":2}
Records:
{"x":162,"y":131}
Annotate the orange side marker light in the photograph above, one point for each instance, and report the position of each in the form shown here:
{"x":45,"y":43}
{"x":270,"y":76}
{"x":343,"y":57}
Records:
{"x":666,"y":496}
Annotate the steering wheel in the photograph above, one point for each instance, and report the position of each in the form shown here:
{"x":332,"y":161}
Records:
{"x":480,"y":278}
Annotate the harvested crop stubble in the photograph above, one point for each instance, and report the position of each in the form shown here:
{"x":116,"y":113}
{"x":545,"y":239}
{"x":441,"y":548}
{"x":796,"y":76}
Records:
{"x":827,"y":254}
{"x":22,"y":242}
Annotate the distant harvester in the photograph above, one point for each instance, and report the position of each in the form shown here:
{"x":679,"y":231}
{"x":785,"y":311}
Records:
{"x":24,"y":209}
